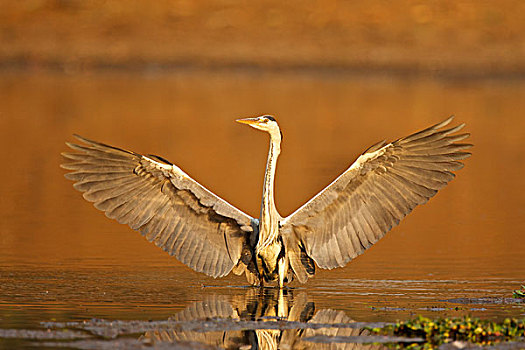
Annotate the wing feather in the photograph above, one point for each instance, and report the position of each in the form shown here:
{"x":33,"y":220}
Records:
{"x":158,"y":199}
{"x":378,"y":190}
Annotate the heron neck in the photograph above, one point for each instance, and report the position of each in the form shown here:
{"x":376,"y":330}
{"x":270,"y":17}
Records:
{"x":269,"y":215}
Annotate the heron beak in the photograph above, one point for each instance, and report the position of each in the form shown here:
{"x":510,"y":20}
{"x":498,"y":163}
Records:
{"x":248,"y":121}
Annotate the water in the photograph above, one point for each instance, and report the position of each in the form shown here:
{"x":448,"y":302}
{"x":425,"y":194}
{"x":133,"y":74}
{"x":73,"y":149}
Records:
{"x":62,"y":260}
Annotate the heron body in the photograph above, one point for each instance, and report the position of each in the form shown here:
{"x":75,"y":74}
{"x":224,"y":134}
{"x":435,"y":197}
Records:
{"x":270,"y":257}
{"x":172,"y":210}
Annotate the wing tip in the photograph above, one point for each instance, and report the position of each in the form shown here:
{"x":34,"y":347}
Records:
{"x":442,"y":123}
{"x":69,"y":166}
{"x":71,"y":144}
{"x":83,"y":139}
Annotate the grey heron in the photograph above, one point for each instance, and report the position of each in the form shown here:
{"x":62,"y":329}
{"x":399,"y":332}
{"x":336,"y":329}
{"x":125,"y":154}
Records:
{"x":208,"y":234}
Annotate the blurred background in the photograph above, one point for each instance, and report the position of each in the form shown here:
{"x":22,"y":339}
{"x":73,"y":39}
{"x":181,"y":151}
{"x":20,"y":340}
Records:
{"x":453,"y":38}
{"x":170,"y":77}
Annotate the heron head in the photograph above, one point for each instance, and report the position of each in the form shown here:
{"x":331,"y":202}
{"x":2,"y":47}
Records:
{"x":264,"y":122}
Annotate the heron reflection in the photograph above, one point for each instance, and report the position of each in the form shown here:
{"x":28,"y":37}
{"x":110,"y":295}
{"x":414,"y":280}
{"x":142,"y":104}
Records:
{"x":203,"y":231}
{"x":271,"y":319}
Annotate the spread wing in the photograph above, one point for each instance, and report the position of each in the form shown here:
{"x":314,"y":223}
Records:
{"x":378,"y":190}
{"x":168,"y":207}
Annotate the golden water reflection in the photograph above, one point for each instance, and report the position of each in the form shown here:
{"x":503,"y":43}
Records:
{"x":293,"y":323}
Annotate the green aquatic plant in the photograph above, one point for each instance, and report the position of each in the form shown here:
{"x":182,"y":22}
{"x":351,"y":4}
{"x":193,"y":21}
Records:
{"x":444,"y":330}
{"x":519,"y":293}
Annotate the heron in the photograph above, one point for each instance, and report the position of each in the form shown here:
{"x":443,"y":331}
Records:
{"x":203,"y":231}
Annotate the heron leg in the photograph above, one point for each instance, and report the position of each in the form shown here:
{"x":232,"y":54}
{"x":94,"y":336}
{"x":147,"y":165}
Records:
{"x":283,"y":271}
